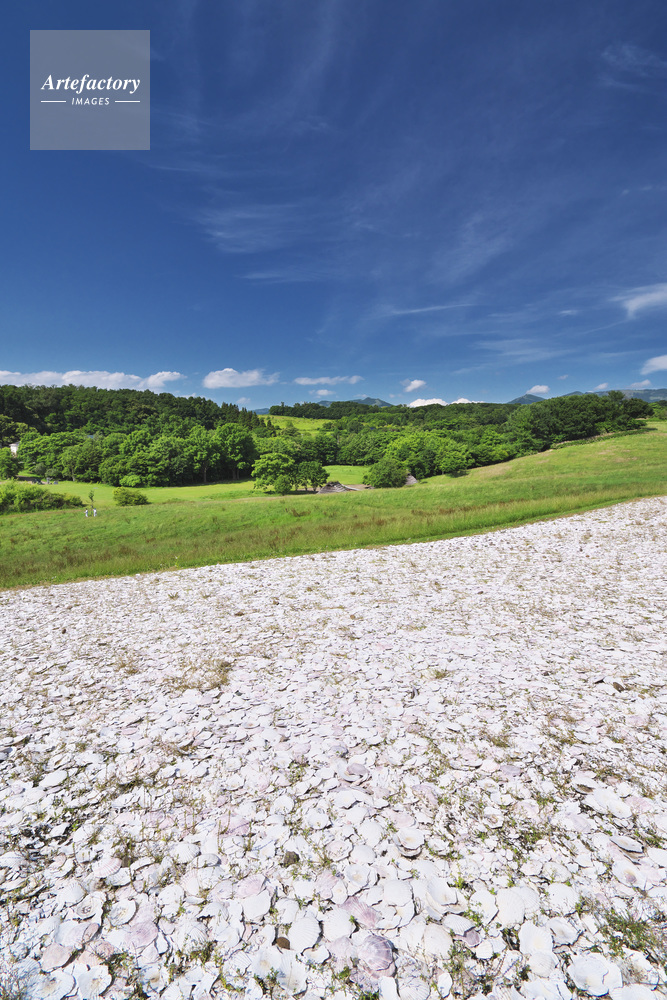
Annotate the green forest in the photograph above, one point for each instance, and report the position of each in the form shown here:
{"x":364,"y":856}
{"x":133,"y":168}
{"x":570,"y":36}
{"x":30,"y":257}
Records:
{"x":133,"y":438}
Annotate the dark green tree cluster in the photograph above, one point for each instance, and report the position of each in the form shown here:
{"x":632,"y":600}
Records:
{"x":140,"y":458}
{"x":279,"y":472}
{"x":51,"y":410}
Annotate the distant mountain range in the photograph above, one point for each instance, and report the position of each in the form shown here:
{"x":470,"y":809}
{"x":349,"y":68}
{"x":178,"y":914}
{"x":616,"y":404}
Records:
{"x":367,"y":401}
{"x":650,"y":395}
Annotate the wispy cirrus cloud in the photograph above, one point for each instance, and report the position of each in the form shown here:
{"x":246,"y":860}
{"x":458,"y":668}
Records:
{"x":646,"y":297}
{"x":229,"y":378}
{"x":421,"y":310}
{"x":658,"y":364}
{"x":644,"y":384}
{"x":329,"y":380}
{"x":411,"y":385}
{"x":520,"y":350}
{"x":256,"y":228}
{"x":99,"y":379}
{"x":635,"y":61}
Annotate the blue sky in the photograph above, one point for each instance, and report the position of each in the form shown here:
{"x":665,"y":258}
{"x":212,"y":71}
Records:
{"x":412,"y":200}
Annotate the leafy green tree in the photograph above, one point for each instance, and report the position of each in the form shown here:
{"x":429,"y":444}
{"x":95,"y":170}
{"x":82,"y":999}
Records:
{"x":238,"y":451}
{"x":283,"y":484}
{"x":489,"y":448}
{"x":452,"y":458}
{"x":522,"y":431}
{"x":386,"y":472}
{"x":9,"y":464}
{"x":311,"y":474}
{"x":269,"y":468}
{"x":203,"y":449}
{"x":325,"y":447}
{"x":11,"y":430}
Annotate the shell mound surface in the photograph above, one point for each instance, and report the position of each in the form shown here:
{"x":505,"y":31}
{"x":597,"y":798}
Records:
{"x":415,"y":771}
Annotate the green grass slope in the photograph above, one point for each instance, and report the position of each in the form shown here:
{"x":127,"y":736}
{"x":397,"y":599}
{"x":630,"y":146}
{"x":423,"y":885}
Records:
{"x":55,"y":546}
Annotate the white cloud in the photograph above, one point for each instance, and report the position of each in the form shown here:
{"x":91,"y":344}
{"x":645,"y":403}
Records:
{"x":658,"y":364}
{"x":229,"y":378}
{"x":391,"y":311}
{"x":100,"y":379}
{"x":563,"y":376}
{"x":243,"y":401}
{"x":411,"y":385}
{"x":602,"y":385}
{"x":539,"y":390}
{"x":322,"y":392}
{"x":429,"y":402}
{"x":638,"y":299}
{"x":641,"y":385}
{"x":569,"y":312}
{"x":330,"y":380}
{"x":634,"y":60}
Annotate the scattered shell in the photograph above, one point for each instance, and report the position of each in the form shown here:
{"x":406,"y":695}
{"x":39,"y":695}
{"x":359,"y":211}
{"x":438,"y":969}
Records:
{"x":70,"y":892}
{"x":629,"y":874}
{"x":375,"y":953}
{"x":396,"y":892}
{"x":563,"y":931}
{"x":627,"y":844}
{"x":457,"y":924}
{"x":409,"y":841}
{"x":122,"y":912}
{"x":304,"y":933}
{"x":533,"y":938}
{"x":317,"y":820}
{"x":337,"y":923}
{"x":413,"y":988}
{"x":190,"y":935}
{"x":439,"y":896}
{"x":56,"y":986}
{"x":511,"y":907}
{"x":355,"y":774}
{"x":107,"y":866}
{"x":603,"y":800}
{"x":483,"y":902}
{"x":92,"y":983}
{"x":436,"y":942}
{"x":139,"y":936}
{"x":90,"y":907}
{"x":256,"y":907}
{"x":562,"y":898}
{"x":184,"y":851}
{"x":594,"y":975}
{"x":292,"y":975}
{"x":170,"y":899}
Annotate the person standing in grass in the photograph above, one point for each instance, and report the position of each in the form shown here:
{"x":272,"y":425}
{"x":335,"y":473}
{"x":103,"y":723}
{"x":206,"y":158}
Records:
{"x":86,"y":512}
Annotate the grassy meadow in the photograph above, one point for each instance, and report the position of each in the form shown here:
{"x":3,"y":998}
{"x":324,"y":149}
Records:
{"x":228,"y":522}
{"x":304,"y":425}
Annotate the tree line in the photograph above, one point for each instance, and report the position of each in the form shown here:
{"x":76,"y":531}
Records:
{"x":133,"y":438}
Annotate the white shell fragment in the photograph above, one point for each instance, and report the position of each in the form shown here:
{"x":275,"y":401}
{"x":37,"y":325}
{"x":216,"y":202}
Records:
{"x":409,"y":841}
{"x":594,"y":975}
{"x":304,"y":933}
